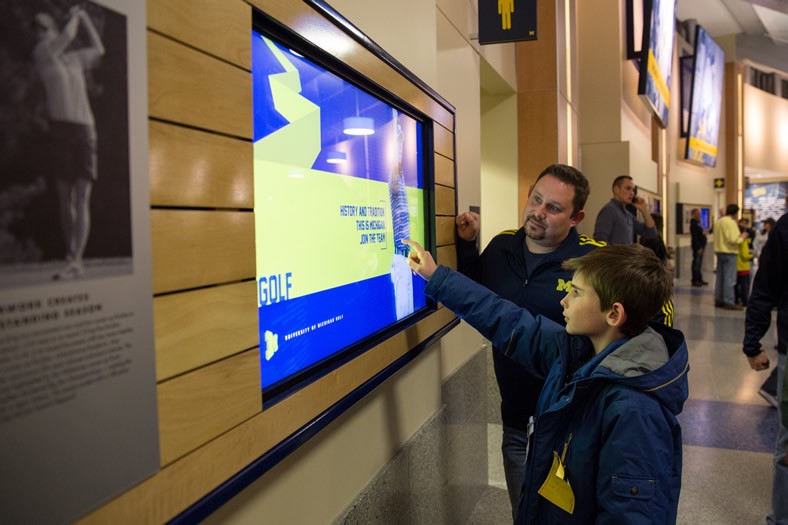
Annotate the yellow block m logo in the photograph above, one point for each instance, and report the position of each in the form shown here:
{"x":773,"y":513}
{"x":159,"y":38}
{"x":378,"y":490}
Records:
{"x":564,"y":286}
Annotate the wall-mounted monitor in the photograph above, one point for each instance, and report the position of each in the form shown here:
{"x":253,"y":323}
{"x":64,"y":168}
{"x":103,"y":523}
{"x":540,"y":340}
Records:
{"x":686,"y":64}
{"x":656,"y":56}
{"x":684,"y":215}
{"x":703,"y":127}
{"x":634,"y":21}
{"x":343,"y":172}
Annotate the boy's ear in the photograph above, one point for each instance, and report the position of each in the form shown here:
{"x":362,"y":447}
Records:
{"x":616,"y":316}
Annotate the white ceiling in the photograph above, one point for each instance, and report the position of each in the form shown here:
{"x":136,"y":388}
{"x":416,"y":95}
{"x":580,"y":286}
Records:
{"x":725,"y":17}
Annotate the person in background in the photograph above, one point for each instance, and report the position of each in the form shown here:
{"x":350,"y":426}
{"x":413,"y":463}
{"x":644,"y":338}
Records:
{"x":743,"y":266}
{"x":524,"y":266}
{"x":698,"y":246}
{"x":614,"y":224}
{"x":657,"y":245}
{"x":770,"y":290}
{"x":768,"y":389}
{"x":606,"y":444}
{"x":727,"y":238}
{"x":761,"y":236}
{"x":744,"y":224}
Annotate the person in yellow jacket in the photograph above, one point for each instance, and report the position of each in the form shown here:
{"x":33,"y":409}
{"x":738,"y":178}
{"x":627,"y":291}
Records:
{"x":743,"y":266}
{"x":727,"y":239}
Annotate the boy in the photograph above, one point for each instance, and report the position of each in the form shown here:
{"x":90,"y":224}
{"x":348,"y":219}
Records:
{"x":605,"y":445}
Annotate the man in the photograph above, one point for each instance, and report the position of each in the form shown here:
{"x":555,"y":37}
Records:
{"x":699,"y":240}
{"x":744,"y":224}
{"x":524,"y":266}
{"x":727,"y":238}
{"x":72,"y":127}
{"x":770,"y":290}
{"x":614,"y":224}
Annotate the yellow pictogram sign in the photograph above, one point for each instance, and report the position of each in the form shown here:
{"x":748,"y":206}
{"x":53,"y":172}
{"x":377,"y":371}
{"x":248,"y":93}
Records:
{"x":505,"y":9}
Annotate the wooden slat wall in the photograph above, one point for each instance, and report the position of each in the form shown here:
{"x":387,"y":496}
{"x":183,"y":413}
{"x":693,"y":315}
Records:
{"x":211,"y":420}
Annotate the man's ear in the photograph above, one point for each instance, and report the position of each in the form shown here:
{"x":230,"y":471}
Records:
{"x":616,"y":316}
{"x":579,"y":216}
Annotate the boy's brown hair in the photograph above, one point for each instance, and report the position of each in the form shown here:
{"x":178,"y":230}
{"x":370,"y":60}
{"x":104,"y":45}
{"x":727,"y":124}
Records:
{"x":629,"y":274}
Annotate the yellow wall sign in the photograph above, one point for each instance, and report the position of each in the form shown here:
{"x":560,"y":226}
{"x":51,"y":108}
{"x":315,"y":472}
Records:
{"x":506,"y":21}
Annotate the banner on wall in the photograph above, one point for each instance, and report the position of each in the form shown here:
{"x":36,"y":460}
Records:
{"x":78,"y":416}
{"x":506,"y":21}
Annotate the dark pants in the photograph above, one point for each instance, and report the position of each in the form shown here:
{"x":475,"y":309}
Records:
{"x":742,"y":292}
{"x":697,"y":262}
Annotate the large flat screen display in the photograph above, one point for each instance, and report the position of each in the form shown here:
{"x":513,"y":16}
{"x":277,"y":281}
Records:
{"x":341,"y":177}
{"x":656,"y":61}
{"x":705,"y":100}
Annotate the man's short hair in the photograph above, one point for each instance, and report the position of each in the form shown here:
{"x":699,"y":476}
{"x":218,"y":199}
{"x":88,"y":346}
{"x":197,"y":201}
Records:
{"x":620,"y":180}
{"x":573,"y":177}
{"x":630,"y":274}
{"x":769,"y":221}
{"x":731,"y":209}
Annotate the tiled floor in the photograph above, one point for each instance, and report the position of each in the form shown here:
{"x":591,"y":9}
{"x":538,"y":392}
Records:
{"x":728,"y":428}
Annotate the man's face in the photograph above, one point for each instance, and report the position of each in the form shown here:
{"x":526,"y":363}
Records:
{"x":696,"y":215}
{"x":625,"y":191}
{"x":45,"y":26}
{"x":548,"y":214}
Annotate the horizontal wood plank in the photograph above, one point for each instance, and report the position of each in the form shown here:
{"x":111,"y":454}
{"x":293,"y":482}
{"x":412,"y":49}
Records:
{"x":444,"y":171}
{"x":202,"y":326}
{"x":444,"y":229}
{"x":193,"y":248}
{"x":199,"y":169}
{"x":444,"y":141}
{"x":221,"y":28}
{"x":189,"y":87}
{"x":447,"y":256}
{"x":444,"y":201}
{"x":197,"y":407}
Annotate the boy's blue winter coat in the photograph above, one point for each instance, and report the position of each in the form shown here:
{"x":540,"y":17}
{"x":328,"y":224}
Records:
{"x":623,"y":460}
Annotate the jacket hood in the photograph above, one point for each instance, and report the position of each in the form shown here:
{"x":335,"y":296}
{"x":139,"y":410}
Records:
{"x":655,"y":362}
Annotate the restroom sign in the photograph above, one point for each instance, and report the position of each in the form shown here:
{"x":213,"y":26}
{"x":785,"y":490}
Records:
{"x":506,"y":21}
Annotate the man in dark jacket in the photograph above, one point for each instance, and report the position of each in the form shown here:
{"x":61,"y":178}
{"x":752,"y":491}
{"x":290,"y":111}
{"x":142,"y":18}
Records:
{"x":524,"y":266}
{"x":770,"y":290}
{"x":606,"y":444}
{"x":698,"y":239}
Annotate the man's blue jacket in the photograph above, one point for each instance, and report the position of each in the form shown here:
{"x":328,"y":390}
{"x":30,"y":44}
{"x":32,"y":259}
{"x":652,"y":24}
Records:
{"x":614,"y":412}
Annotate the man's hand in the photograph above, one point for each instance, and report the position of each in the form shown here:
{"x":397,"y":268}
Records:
{"x":759,"y":362}
{"x":467,"y":225}
{"x":420,"y":260}
{"x":641,"y":204}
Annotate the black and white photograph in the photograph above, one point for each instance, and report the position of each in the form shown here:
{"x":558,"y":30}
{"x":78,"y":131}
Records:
{"x":64,"y":154}
{"x":77,"y":365}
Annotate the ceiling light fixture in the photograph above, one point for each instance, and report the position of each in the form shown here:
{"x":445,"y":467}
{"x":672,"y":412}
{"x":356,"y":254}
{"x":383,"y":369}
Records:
{"x":359,"y":126}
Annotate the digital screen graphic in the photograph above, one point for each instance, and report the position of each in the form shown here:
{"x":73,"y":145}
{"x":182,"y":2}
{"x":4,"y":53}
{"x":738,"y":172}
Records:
{"x":339,"y":178}
{"x":705,"y":100}
{"x":657,"y":57}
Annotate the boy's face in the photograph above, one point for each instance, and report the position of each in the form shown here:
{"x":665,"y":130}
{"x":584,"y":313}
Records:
{"x":582,"y":310}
